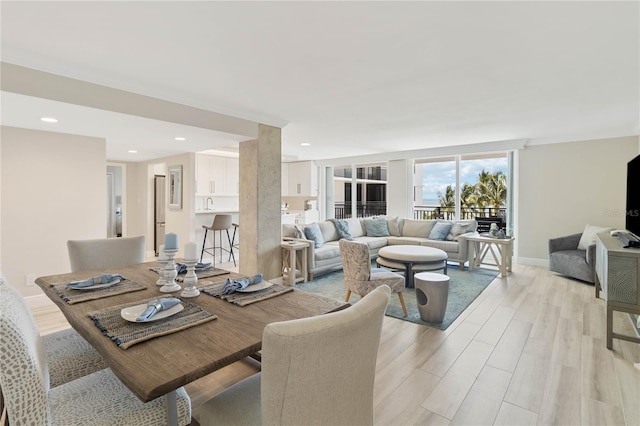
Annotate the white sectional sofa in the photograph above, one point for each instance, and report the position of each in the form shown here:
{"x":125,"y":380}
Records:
{"x":325,"y":257}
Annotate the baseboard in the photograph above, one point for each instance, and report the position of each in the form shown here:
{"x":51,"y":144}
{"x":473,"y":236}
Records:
{"x":38,"y":301}
{"x":532,"y":261}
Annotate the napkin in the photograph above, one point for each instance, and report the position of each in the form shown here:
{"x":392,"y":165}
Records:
{"x":181,"y":267}
{"x":155,"y":306}
{"x":102,"y":279}
{"x":231,"y":286}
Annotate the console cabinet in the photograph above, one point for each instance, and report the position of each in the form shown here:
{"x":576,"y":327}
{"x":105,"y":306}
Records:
{"x":618,"y":277}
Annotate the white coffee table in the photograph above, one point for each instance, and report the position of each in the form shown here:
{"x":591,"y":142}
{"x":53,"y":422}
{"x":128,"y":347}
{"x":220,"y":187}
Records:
{"x":409,"y":258}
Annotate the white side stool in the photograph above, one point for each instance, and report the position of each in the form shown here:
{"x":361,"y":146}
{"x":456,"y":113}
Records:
{"x":432,"y":293}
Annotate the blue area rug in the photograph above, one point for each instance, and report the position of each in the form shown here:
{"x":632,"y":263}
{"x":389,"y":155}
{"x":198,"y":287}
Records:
{"x":464,"y":287}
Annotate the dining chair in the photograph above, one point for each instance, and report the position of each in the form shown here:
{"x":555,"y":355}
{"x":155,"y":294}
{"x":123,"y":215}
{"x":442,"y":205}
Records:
{"x":361,"y":278}
{"x":104,"y":253}
{"x":69,"y":356}
{"x":96,"y":399}
{"x":315,"y":371}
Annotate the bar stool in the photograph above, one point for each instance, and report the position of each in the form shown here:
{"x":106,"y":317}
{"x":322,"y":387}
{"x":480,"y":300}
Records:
{"x":234,"y":245}
{"x":221,"y":222}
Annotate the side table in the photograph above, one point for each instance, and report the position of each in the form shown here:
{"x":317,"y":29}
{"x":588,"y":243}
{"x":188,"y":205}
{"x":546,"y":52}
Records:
{"x":294,"y":267}
{"x":432,"y":294}
{"x":500,"y":248}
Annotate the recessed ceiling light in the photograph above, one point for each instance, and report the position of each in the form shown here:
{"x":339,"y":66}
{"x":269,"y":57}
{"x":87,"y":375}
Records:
{"x":132,"y":151}
{"x":49,"y":119}
{"x":179,"y":138}
{"x":305,"y":144}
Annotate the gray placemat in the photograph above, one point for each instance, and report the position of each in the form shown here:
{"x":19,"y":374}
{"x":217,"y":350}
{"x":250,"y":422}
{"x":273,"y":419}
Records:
{"x":72,"y":296}
{"x":203,"y":273}
{"x":243,"y":299}
{"x":126,"y":333}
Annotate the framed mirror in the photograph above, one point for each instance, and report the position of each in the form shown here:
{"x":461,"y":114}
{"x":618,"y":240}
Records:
{"x":175,"y":187}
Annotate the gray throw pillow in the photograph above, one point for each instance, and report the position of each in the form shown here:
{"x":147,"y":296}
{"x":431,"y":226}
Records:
{"x":456,"y":230}
{"x":299,"y":231}
{"x":342,"y":227}
{"x":312,"y":232}
{"x":376,"y":227}
{"x":440,"y":231}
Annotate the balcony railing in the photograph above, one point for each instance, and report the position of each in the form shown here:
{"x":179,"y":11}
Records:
{"x":371,"y":208}
{"x":377,"y":208}
{"x":448,"y":213}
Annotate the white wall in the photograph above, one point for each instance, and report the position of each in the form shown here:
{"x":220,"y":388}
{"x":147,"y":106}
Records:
{"x":53,"y":190}
{"x":562,"y":187}
{"x":400,"y":188}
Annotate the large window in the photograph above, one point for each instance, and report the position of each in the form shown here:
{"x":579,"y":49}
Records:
{"x":463,"y":187}
{"x":370,"y":196}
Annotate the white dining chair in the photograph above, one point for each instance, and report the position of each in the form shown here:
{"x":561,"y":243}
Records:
{"x":105,"y":253}
{"x":315,"y":371}
{"x":69,"y":355}
{"x":96,"y":399}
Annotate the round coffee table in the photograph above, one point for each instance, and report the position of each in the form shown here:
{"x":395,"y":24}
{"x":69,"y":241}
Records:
{"x":412,"y":258}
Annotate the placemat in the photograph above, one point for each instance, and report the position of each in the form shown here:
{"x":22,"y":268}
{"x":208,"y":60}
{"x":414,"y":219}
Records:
{"x":206,"y":273}
{"x":126,"y":333}
{"x":243,"y":299}
{"x":72,"y":296}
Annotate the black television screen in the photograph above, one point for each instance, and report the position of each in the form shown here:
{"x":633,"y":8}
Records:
{"x":633,"y":197}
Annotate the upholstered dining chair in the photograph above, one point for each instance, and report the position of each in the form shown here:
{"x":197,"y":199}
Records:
{"x":104,"y":253}
{"x":69,"y":355}
{"x":97,"y":399}
{"x":315,"y":371}
{"x":361,"y":278}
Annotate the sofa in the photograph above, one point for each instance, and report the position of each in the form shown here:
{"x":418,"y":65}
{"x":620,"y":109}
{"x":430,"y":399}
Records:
{"x":323,"y":252}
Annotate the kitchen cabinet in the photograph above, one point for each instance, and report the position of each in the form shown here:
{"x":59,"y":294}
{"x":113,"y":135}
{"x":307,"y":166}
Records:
{"x":232,"y":176}
{"x":216,"y":175}
{"x":302,"y":179}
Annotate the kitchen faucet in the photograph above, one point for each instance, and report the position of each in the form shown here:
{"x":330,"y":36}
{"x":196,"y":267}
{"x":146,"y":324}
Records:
{"x":209,"y":199}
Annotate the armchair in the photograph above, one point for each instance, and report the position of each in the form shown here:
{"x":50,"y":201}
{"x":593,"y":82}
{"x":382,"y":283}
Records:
{"x":565,"y":258}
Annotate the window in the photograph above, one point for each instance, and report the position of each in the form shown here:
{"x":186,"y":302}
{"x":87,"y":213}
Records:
{"x":463,"y":187}
{"x":370,"y":197}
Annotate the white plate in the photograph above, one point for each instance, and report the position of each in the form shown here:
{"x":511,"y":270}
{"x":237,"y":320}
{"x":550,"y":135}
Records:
{"x":257,"y":287}
{"x":97,"y":286}
{"x":133,"y":312}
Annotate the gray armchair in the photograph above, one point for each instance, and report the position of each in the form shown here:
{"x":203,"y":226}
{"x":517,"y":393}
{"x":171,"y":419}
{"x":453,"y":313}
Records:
{"x":565,"y":258}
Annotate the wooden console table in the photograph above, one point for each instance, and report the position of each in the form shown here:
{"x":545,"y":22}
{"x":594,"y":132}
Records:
{"x":500,"y":248}
{"x":618,"y":277}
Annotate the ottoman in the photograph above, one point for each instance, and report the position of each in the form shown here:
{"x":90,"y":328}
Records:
{"x":432,"y":293}
{"x":412,"y":258}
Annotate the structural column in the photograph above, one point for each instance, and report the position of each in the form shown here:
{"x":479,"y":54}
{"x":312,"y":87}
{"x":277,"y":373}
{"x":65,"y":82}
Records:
{"x":260,"y":196}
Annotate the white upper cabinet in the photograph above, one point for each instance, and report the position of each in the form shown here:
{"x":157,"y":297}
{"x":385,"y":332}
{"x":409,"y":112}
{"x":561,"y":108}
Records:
{"x":302,"y":178}
{"x":216,"y":175}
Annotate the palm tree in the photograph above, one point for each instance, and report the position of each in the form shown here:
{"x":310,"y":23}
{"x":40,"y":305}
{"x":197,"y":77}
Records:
{"x":448,"y":201}
{"x":492,"y":189}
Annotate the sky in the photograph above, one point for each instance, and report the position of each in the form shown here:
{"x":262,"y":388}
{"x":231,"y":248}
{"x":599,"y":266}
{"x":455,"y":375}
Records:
{"x":437,"y":176}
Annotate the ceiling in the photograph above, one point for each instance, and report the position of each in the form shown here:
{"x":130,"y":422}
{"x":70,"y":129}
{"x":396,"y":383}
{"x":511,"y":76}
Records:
{"x":348,"y":78}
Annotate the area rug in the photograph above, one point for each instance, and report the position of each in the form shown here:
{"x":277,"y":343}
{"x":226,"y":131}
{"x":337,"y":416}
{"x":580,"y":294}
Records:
{"x":464,"y":287}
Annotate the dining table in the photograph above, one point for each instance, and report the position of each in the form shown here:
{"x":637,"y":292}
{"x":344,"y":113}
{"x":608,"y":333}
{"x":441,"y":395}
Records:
{"x":221,"y":332}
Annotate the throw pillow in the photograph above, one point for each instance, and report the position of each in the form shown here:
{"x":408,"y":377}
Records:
{"x":299,"y":231}
{"x":342,"y":227}
{"x":440,"y":230}
{"x":312,"y":232}
{"x":376,"y":227}
{"x":589,"y":236}
{"x":457,"y":229}
{"x":393,"y":223}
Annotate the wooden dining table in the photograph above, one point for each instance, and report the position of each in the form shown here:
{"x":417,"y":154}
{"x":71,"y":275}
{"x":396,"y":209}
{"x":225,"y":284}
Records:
{"x":159,"y":366}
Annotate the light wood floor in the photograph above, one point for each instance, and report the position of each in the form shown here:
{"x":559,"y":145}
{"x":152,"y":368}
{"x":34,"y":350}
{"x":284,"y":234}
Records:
{"x":529,"y":350}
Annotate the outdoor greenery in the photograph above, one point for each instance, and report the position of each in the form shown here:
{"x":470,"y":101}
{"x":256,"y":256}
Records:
{"x":489,"y":191}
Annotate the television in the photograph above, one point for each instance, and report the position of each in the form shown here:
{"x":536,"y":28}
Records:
{"x":632,"y":216}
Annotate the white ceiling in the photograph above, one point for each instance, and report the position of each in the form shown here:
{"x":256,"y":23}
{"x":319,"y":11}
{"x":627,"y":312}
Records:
{"x":350,"y":78}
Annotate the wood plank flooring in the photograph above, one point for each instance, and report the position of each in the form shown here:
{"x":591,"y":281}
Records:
{"x":529,"y":350}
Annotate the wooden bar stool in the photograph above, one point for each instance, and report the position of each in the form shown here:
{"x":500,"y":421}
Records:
{"x":221,"y":222}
